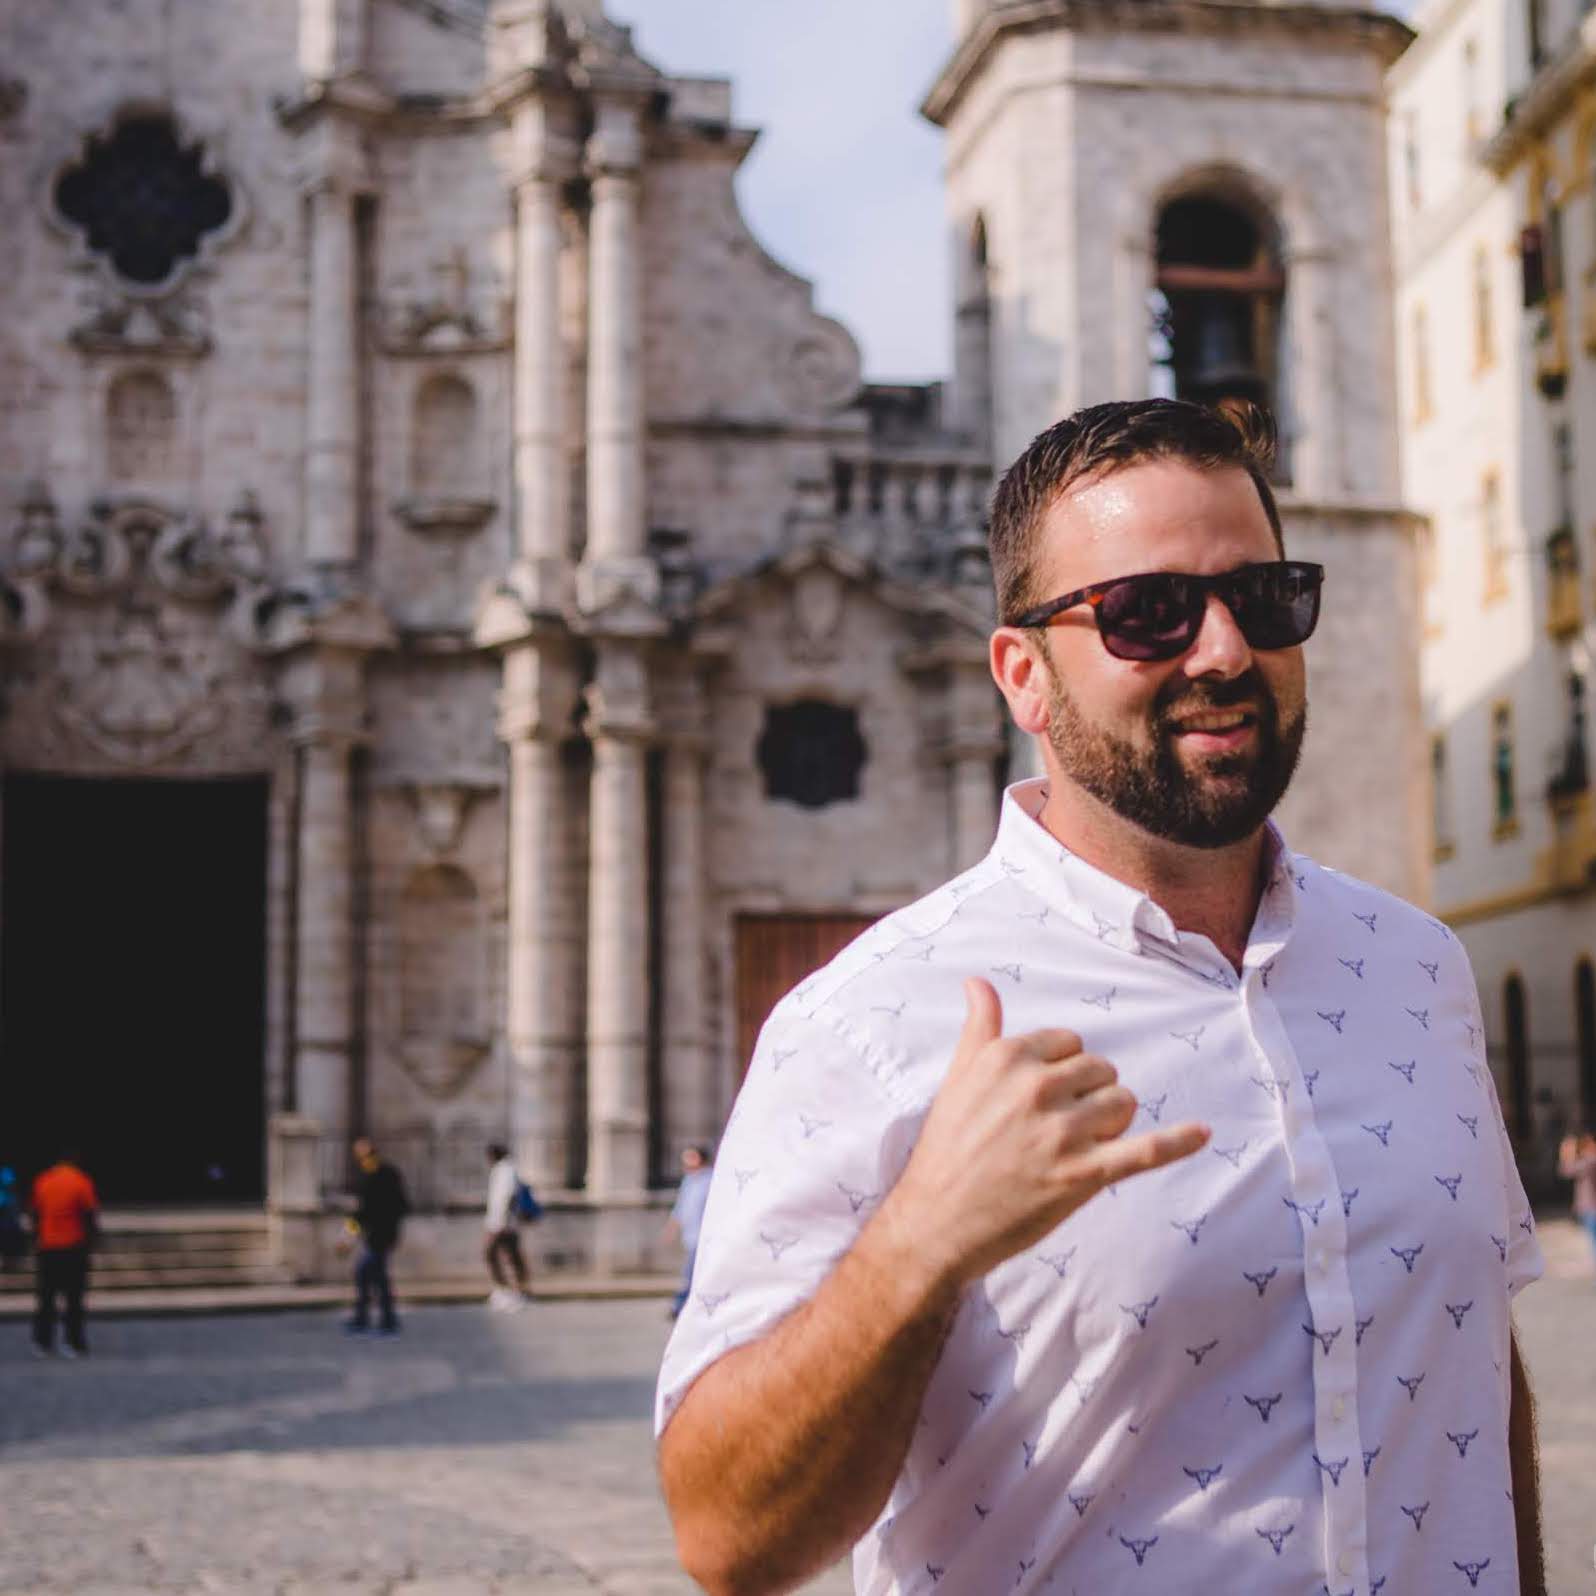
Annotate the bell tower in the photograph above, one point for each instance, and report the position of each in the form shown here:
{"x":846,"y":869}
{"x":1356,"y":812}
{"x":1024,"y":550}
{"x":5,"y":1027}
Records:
{"x":1187,"y":198}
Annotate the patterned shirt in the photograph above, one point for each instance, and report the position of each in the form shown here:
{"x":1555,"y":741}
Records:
{"x":1280,"y":1364}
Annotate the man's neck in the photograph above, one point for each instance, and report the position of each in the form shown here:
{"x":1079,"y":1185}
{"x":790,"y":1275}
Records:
{"x":1212,"y":892}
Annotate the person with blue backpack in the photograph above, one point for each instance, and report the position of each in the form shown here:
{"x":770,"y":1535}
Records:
{"x":510,"y":1201}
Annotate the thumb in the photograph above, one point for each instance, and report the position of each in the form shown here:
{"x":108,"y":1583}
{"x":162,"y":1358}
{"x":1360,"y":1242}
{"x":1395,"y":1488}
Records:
{"x":983,"y":1020}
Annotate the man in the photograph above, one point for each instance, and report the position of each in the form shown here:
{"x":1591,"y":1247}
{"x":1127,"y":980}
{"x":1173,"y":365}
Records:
{"x":380,"y":1208}
{"x":65,"y":1209}
{"x":1133,"y":1213}
{"x":502,"y":1224}
{"x":687,"y":1216}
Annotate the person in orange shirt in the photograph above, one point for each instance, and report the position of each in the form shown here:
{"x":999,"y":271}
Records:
{"x":66,"y":1212}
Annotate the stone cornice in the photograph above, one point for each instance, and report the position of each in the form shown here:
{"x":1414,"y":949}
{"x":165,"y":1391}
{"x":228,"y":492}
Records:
{"x":1385,"y":35}
{"x":1548,"y":99}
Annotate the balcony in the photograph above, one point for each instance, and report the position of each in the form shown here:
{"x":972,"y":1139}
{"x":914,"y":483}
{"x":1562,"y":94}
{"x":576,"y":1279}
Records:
{"x":1563,"y":616}
{"x":1551,"y":349}
{"x":1569,"y":865}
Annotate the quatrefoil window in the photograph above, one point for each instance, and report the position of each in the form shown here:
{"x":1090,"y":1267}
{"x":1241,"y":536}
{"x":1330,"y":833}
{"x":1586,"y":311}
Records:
{"x":142,"y":199}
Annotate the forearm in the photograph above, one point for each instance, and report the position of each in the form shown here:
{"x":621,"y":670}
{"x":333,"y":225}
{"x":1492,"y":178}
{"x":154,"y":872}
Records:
{"x":786,"y":1450}
{"x":1525,"y":1458}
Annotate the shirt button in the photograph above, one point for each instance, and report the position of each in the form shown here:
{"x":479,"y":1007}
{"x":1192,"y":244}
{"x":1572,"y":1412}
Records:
{"x":1344,"y":1563}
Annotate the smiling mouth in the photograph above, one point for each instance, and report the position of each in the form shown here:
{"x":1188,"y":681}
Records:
{"x":1217,"y":723}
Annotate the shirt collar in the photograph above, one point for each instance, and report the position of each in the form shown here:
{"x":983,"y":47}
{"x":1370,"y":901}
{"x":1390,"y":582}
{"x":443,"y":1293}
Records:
{"x":1110,"y":909}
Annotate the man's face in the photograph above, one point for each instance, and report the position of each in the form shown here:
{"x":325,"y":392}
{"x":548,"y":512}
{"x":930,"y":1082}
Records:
{"x":365,"y":1155}
{"x":692,"y":1159}
{"x":1199,"y":749}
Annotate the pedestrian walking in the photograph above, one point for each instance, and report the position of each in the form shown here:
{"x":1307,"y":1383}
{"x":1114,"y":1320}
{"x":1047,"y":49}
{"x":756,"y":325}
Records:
{"x":1576,"y":1161}
{"x":687,"y":1215}
{"x":65,"y":1209}
{"x":380,"y":1209}
{"x":512,"y":1282}
{"x":1135,"y":1211}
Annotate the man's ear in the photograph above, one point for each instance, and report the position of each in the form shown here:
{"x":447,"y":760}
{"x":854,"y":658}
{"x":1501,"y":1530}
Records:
{"x":1021,"y":677}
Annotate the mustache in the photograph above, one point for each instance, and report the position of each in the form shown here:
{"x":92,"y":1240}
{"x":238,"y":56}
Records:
{"x":1179,"y":699}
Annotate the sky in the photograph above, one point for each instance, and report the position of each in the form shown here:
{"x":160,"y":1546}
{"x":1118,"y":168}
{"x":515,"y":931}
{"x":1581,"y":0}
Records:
{"x":845,"y":183}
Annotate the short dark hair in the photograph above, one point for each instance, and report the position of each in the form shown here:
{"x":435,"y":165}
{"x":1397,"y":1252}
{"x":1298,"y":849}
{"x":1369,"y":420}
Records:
{"x":497,"y":1150}
{"x":1107,"y":438}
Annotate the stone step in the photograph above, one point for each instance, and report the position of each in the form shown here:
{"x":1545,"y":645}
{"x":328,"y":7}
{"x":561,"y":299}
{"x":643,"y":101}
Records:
{"x":173,"y":1276}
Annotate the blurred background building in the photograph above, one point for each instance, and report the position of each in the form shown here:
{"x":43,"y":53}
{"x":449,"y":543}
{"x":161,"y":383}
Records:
{"x":1493,"y":118}
{"x":471,"y":637}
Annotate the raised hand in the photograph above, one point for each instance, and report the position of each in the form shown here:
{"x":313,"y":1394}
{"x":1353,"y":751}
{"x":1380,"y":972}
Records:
{"x":1024,"y":1130}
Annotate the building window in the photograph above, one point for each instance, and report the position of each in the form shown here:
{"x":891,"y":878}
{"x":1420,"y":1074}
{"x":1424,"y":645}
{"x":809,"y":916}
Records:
{"x":1221,"y":283}
{"x":1472,"y":125}
{"x":1493,"y":540}
{"x":1422,"y":408}
{"x":811,"y":753}
{"x":1440,"y":798}
{"x":1504,"y":781}
{"x":143,"y":200}
{"x":1535,"y":26}
{"x":1484,"y":330}
{"x":1411,"y":160}
{"x":1571,"y":767}
{"x":1515,"y":1024}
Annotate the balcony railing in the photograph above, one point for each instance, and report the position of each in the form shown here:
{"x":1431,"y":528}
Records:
{"x":892,"y":507}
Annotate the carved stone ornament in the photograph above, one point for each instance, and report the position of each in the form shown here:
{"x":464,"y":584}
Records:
{"x":147,"y":698}
{"x":440,"y":814}
{"x":446,"y":518}
{"x":114,"y":323}
{"x":441,"y":1065}
{"x":818,"y":598}
{"x":450,"y":319}
{"x":822,"y":371}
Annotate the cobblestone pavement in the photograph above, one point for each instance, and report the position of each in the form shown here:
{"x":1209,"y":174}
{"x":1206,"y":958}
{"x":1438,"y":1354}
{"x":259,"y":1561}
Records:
{"x":476,"y":1454}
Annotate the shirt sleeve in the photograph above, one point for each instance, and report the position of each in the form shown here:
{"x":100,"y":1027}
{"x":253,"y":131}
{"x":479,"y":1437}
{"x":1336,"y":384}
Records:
{"x":1525,"y":1261}
{"x":817,"y":1138}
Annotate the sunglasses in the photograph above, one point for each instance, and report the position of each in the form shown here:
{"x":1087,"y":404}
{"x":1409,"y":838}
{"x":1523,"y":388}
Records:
{"x":1158,"y":615}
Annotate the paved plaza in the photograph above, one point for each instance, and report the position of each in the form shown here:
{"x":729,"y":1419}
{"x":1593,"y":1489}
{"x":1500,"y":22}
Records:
{"x":477,"y":1454}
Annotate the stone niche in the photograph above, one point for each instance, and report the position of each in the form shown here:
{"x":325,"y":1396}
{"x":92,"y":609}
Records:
{"x":447,"y":471}
{"x":443,"y":964}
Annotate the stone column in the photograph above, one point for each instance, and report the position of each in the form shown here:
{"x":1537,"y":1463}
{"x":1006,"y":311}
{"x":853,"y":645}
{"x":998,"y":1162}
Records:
{"x":620,"y":725}
{"x":324,"y":929}
{"x":544,"y":160}
{"x":542,"y":1007}
{"x":692,"y":1087}
{"x":323,"y":680}
{"x":332,"y":408}
{"x":972,"y":752}
{"x":332,"y":38}
{"x":615,"y":343}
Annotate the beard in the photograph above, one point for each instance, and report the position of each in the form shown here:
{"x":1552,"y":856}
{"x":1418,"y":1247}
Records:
{"x":1211,"y":803}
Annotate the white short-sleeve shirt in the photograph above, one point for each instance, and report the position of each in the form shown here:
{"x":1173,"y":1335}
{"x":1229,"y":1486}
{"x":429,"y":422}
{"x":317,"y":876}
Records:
{"x":1279,"y":1365}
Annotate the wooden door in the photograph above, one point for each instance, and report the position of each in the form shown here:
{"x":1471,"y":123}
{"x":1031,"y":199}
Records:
{"x":774,"y":953}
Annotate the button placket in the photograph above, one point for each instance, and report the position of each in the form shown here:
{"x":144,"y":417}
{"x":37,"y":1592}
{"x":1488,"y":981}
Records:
{"x":1327,"y":1286}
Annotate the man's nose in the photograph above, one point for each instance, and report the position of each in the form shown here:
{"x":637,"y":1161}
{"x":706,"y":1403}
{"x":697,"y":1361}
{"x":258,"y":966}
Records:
{"x":1220,"y":649}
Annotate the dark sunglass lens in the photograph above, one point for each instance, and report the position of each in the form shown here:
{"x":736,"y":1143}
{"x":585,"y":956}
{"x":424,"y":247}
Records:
{"x":1276,"y":606}
{"x":1148,"y":617}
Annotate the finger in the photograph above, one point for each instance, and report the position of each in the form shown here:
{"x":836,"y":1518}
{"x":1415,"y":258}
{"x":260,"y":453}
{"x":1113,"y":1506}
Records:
{"x":1135,"y":1155}
{"x":1048,"y":1046}
{"x":1102,"y":1115}
{"x":983,"y":1020}
{"x":1077,"y":1078}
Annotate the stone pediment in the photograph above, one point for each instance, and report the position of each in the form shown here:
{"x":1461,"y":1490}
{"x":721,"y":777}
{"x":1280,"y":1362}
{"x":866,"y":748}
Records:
{"x":818,"y":579}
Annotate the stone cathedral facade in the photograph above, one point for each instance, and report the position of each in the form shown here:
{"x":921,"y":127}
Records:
{"x":470,"y":638}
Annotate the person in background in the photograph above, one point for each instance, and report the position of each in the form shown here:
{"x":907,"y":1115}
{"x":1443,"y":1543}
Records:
{"x":13,"y":1237}
{"x":1576,"y":1161}
{"x":687,"y":1216}
{"x":502,"y":1222}
{"x":66,"y":1211}
{"x":381,"y":1206}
